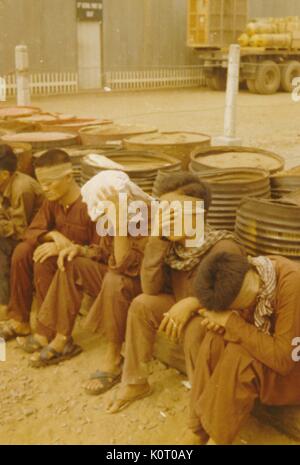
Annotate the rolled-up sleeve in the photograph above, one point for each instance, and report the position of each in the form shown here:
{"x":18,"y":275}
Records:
{"x":274,"y":351}
{"x":153,"y":271}
{"x":15,"y":220}
{"x":131,"y":263}
{"x":42,"y":223}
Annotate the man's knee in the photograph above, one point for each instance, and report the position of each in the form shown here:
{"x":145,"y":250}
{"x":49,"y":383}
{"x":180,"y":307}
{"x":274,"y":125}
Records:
{"x":140,"y":307}
{"x":194,"y":333}
{"x":22,"y":255}
{"x":113,"y":281}
{"x":48,"y":266}
{"x":212,"y":348}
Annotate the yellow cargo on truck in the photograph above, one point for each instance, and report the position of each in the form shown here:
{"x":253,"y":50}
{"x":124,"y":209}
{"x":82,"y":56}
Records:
{"x":270,"y":47}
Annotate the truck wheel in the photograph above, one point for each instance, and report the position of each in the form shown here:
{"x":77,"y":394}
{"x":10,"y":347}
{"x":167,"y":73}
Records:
{"x":288,"y":72}
{"x":251,"y":86}
{"x":268,"y":77}
{"x":219,"y":79}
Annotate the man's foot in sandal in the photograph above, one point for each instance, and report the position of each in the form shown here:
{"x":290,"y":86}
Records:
{"x":32,"y":343}
{"x":110,"y":371}
{"x":12,"y":329}
{"x":126,"y":394}
{"x":50,"y":356}
{"x":101,"y":382}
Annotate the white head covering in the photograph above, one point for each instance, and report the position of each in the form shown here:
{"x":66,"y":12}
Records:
{"x":104,"y":186}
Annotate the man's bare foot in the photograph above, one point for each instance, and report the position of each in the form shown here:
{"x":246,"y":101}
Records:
{"x":109,"y":373}
{"x":13,"y":328}
{"x":58,"y":344}
{"x":32,"y":343}
{"x":189,"y":438}
{"x":126,"y":395}
{"x":41,"y":339}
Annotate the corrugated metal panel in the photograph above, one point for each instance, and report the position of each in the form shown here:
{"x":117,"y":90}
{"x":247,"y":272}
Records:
{"x":46,"y":27}
{"x":145,"y":33}
{"x":274,"y":8}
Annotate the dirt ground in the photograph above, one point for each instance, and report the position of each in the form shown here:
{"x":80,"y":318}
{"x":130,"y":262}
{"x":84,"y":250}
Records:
{"x":49,"y":406}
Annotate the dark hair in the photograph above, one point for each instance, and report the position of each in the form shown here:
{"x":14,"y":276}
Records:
{"x":219,"y":280}
{"x":186,"y":183}
{"x":8,"y":159}
{"x":52,"y":157}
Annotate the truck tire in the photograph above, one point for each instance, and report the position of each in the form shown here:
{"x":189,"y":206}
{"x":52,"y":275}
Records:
{"x":251,"y":86}
{"x":289,"y":71}
{"x":268,"y":77}
{"x":219,"y":79}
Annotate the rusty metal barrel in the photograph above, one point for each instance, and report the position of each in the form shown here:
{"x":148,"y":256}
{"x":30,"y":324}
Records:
{"x":48,"y":118}
{"x":78,"y":153}
{"x":266,"y":226}
{"x":141,"y":167}
{"x":231,"y":157}
{"x":100,"y":134}
{"x":176,"y":144}
{"x":285,"y":182}
{"x":74,"y":126}
{"x":42,"y":140}
{"x":228,"y":188}
{"x":8,"y":112}
{"x":13,"y":126}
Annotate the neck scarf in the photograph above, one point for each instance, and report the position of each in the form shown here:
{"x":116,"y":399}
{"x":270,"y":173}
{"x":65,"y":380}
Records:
{"x":266,"y":296}
{"x":184,"y":258}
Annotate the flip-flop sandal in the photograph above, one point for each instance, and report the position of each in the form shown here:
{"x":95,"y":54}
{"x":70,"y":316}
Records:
{"x":29,"y":344}
{"x":70,"y":351}
{"x":128,"y":402}
{"x":8,"y":333}
{"x":108,"y":380}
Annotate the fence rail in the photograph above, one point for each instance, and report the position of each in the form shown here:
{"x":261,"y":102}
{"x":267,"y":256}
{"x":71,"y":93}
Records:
{"x":44,"y":84}
{"x":188,"y":76}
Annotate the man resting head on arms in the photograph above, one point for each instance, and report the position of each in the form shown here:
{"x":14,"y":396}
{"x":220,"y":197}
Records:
{"x":255,"y":304}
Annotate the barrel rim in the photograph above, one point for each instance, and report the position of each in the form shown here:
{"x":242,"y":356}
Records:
{"x":162,"y":133}
{"x":220,"y":149}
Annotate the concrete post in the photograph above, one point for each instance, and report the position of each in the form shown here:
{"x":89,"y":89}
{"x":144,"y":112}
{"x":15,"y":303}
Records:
{"x":232,"y":90}
{"x":22,"y":73}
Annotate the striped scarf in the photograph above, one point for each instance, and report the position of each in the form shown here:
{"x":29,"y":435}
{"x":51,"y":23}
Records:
{"x":184,"y":258}
{"x":266,"y":296}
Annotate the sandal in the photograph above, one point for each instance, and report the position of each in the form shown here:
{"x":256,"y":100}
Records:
{"x":7,"y":332}
{"x":49,"y":356}
{"x":29,"y":344}
{"x":108,"y":380}
{"x":127,"y":402}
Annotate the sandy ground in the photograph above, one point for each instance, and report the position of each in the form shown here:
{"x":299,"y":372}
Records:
{"x":49,"y":406}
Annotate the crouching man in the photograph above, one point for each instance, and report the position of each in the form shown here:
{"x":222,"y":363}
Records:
{"x":20,"y":199}
{"x":62,"y":220}
{"x":167,"y":274}
{"x":255,"y":304}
